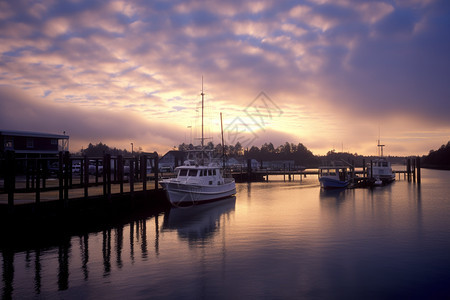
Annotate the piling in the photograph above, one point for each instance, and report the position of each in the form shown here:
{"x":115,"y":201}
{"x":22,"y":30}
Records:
{"x":156,"y":170}
{"x":85,"y":166}
{"x":408,"y":169}
{"x":10,"y":178}
{"x":371,"y":169}
{"x":143,"y":163}
{"x":60,"y":176}
{"x":67,"y":173}
{"x":107,"y":172}
{"x":120,"y":172}
{"x":418,"y":170}
{"x":131,"y":178}
{"x":364,"y":167}
{"x":37,"y":164}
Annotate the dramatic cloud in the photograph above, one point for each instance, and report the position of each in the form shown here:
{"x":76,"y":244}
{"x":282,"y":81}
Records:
{"x":340,"y":71}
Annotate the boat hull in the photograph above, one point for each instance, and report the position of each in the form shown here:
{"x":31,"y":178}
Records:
{"x":331,"y":183}
{"x":180,"y":194}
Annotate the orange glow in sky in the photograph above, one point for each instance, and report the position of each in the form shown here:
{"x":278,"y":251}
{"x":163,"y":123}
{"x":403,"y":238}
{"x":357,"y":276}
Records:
{"x":338,"y":74}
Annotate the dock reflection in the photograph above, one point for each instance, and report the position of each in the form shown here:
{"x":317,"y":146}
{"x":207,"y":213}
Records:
{"x":198,"y":223}
{"x":56,"y":260}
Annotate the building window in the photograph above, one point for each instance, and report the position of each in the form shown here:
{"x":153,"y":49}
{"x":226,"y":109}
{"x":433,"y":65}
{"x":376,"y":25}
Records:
{"x":9,"y":144}
{"x":54,"y":142}
{"x":30,"y":143}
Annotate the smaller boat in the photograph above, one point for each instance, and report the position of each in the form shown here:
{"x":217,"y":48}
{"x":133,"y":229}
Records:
{"x":380,"y":169}
{"x":334,"y":177}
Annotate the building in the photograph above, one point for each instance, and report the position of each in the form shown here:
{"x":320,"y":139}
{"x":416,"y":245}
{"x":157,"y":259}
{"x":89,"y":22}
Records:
{"x":171,"y":160}
{"x":32,"y":144}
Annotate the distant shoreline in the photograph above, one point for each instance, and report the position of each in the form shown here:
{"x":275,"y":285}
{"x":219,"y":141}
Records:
{"x":436,"y":167}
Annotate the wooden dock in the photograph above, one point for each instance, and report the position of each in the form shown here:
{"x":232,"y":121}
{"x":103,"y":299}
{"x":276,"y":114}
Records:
{"x":411,"y":173}
{"x":124,"y":184}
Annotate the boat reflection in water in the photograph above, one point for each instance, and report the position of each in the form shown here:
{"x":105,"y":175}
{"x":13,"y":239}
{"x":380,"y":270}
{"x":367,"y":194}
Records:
{"x":198,"y":222}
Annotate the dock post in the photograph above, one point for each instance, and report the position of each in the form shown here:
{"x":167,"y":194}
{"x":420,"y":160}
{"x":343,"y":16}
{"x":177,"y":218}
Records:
{"x":67,"y":170}
{"x":156,"y":170}
{"x":408,"y":169}
{"x":60,"y":176}
{"x":44,"y":165}
{"x":371,"y":168}
{"x":108,"y":176}
{"x":364,"y":167}
{"x":249,"y":170}
{"x":82,"y":171}
{"x":267,"y":175}
{"x":33,"y":173}
{"x":284,"y":172}
{"x":143,"y":161}
{"x":86,"y":176}
{"x":131,"y":177}
{"x":104,"y":172}
{"x":136,"y":169}
{"x":120,"y":172}
{"x":414,"y":170}
{"x":289,"y":172}
{"x":418,"y":170}
{"x":10,"y":178}
{"x":96,"y":171}
{"x":115,"y":169}
{"x":38,"y":181}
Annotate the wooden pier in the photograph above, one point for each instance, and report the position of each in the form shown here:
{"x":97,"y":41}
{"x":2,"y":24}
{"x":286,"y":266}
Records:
{"x":412,"y":173}
{"x":79,"y":184}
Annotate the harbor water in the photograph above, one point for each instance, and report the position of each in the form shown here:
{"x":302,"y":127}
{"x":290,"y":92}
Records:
{"x":275,"y":240}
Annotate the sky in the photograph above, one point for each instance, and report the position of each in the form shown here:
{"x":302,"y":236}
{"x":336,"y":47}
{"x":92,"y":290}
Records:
{"x":337,"y":74}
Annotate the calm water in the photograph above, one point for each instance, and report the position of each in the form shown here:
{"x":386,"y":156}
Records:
{"x":275,"y":240}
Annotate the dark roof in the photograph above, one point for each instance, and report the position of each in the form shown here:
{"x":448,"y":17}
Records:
{"x":33,"y":134}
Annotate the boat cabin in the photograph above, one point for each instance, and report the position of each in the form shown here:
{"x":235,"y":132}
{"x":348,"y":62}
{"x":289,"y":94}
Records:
{"x":339,"y":173}
{"x":201,"y":175}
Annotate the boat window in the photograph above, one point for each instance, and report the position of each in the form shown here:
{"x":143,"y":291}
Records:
{"x":209,"y":172}
{"x":183,"y":172}
{"x":200,"y":173}
{"x":215,"y":172}
{"x":193,"y":173}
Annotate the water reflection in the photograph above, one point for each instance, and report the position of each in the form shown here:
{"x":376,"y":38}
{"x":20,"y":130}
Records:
{"x":198,"y":223}
{"x":40,"y":263}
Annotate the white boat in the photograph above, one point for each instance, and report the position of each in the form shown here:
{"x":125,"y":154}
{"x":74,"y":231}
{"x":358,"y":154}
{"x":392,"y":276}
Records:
{"x":334,"y":177}
{"x":196,"y":183}
{"x":199,"y":180}
{"x":381,"y":170}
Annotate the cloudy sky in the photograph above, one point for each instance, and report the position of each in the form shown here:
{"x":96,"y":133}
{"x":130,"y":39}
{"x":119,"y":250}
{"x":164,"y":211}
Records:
{"x":331,"y":74}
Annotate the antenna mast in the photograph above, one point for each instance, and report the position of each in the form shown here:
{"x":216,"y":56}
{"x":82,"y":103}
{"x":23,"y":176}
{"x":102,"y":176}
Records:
{"x":203,"y":94}
{"x":223,"y":145}
{"x":380,"y":150}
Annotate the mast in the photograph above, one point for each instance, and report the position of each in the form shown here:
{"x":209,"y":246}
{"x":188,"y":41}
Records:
{"x":380,"y":150}
{"x":223,"y":146}
{"x":203,"y":94}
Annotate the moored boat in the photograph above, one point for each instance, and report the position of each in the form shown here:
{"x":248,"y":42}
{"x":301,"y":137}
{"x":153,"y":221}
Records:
{"x":200,"y":179}
{"x":334,"y":177}
{"x":196,"y":184}
{"x":381,"y":170}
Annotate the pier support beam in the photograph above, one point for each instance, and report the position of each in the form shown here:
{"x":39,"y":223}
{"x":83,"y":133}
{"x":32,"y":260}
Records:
{"x":10,"y":178}
{"x":418,"y":170}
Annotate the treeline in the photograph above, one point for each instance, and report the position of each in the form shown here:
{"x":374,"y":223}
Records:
{"x":268,"y":152}
{"x":101,"y":149}
{"x":439,"y":159}
{"x":290,"y":151}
